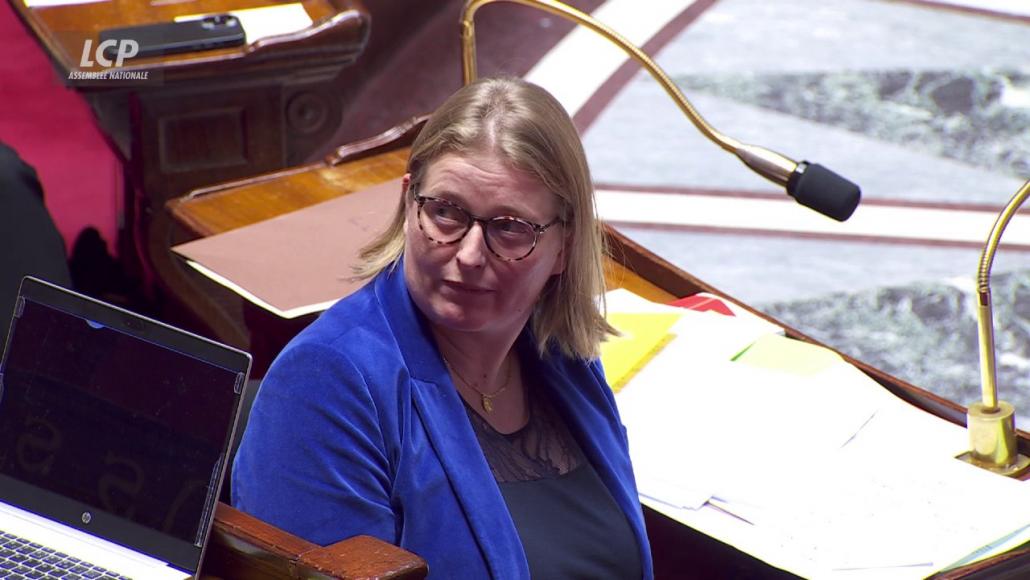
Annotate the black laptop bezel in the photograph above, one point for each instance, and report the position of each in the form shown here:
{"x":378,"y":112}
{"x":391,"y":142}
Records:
{"x":177,"y":552}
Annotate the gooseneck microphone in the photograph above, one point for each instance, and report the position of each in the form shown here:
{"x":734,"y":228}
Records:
{"x":812,"y":185}
{"x":816,"y":187}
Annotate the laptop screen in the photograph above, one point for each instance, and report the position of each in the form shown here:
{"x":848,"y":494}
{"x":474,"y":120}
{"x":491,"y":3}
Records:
{"x":115,"y":423}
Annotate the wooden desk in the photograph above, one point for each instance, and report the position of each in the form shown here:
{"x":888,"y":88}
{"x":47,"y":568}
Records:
{"x":201,"y":118}
{"x":679,"y":551}
{"x":208,"y":116}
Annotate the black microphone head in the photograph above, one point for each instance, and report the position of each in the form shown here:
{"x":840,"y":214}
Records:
{"x":824,"y":191}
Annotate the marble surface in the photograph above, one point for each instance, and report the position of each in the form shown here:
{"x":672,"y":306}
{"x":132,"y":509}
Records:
{"x":914,"y":103}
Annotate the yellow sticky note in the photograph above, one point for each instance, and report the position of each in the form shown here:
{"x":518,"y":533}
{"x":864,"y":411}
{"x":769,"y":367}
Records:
{"x":773,"y":351}
{"x":643,"y":335}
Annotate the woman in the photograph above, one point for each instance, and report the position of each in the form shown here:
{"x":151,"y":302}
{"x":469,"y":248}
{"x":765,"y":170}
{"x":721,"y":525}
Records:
{"x":455,"y":406}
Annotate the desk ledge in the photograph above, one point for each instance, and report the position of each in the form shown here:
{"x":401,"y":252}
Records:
{"x":242,"y":546}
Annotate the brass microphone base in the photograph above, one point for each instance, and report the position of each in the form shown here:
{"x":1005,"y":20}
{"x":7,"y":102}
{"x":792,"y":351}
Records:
{"x":992,"y":439}
{"x":1021,"y":465}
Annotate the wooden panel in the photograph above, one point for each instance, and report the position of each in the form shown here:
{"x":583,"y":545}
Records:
{"x":212,"y":138}
{"x":229,"y":131}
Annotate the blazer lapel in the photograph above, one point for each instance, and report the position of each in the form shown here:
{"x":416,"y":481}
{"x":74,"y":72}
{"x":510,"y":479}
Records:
{"x":443,"y":415}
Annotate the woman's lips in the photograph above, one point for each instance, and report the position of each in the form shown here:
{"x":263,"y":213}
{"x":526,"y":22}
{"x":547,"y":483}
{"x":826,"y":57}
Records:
{"x":466,"y":288}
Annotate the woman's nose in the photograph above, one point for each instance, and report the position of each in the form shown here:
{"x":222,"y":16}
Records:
{"x":472,"y":248}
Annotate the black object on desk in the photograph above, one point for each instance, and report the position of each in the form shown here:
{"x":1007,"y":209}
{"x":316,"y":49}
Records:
{"x":209,"y":32}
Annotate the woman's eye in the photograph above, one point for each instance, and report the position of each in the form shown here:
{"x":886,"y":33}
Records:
{"x":511,"y":228}
{"x":448,"y":213}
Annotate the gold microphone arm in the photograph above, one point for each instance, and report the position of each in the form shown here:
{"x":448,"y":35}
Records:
{"x":991,"y":422}
{"x":769,"y":164}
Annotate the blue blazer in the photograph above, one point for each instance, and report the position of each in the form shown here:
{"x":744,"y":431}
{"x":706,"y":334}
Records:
{"x":358,"y":429}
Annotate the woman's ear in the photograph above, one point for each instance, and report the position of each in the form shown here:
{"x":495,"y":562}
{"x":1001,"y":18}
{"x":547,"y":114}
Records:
{"x":559,"y":264}
{"x":405,"y":198}
{"x":563,"y":254}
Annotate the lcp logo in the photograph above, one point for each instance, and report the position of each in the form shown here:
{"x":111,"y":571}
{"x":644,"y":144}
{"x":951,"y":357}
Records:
{"x":122,"y":49}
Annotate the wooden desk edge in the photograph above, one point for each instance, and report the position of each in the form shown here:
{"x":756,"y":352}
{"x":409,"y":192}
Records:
{"x":243,"y":546}
{"x":384,"y":144}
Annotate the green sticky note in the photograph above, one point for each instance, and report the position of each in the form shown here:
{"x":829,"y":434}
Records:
{"x":777,"y":352}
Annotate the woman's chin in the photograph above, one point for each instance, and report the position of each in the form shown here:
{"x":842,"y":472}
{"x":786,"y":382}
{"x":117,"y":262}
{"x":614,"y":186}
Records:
{"x":457,"y":319}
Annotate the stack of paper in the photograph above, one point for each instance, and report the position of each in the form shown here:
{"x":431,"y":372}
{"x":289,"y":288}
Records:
{"x":785,"y":451}
{"x":707,"y":333}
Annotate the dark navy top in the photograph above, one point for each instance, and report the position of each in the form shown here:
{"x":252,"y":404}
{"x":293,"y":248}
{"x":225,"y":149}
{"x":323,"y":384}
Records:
{"x":568,"y":522}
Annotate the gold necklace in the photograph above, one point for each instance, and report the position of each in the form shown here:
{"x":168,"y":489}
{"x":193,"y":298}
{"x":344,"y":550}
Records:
{"x":486,"y":400}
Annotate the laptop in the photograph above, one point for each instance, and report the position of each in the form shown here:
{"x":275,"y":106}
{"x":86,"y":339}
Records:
{"x":114,"y":432}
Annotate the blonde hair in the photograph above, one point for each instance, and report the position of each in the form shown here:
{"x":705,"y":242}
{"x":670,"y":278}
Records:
{"x":528,"y":128}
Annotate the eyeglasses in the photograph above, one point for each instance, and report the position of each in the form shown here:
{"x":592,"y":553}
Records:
{"x":508,"y":238}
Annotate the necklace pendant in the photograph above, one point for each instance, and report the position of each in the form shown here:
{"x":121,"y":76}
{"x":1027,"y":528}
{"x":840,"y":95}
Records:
{"x":488,"y":405}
